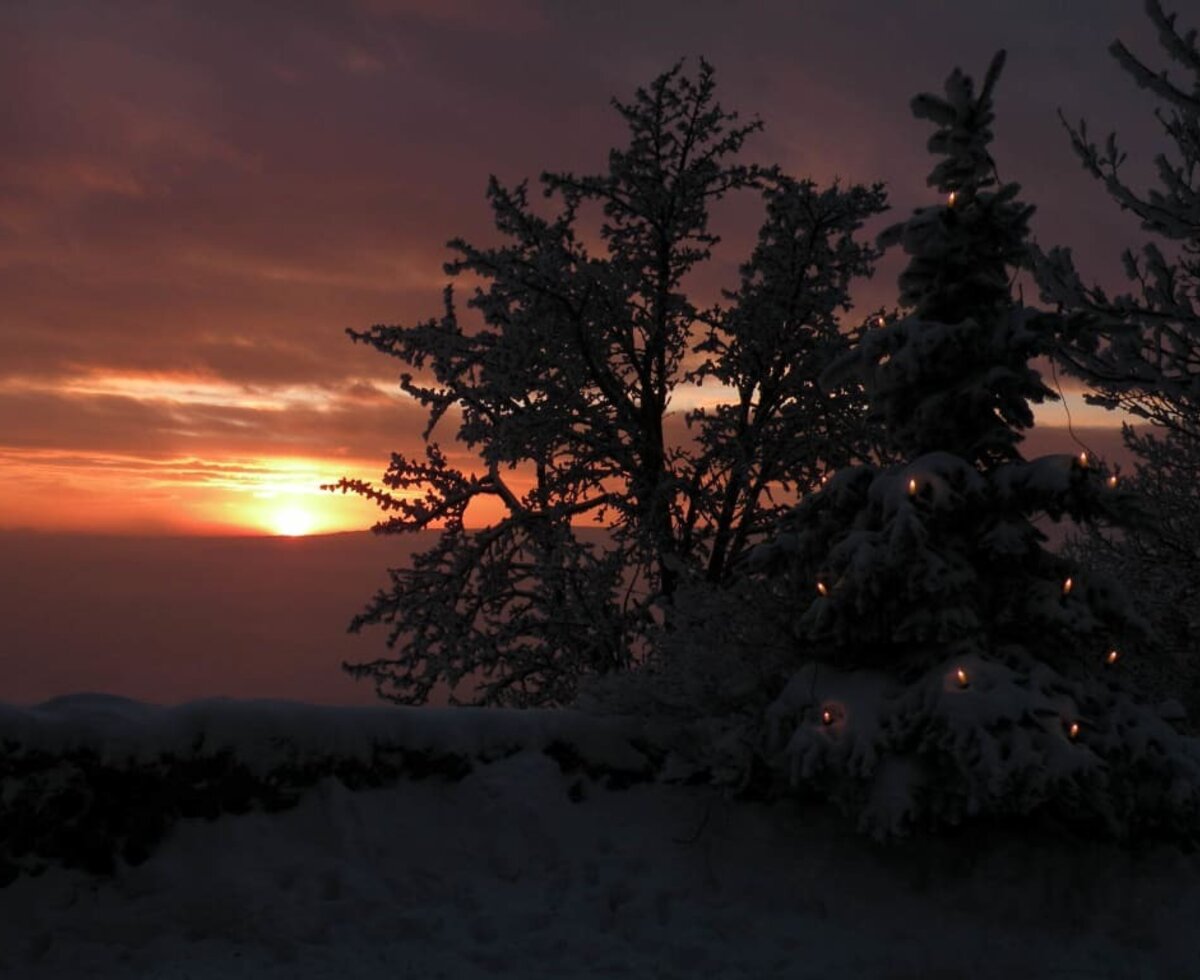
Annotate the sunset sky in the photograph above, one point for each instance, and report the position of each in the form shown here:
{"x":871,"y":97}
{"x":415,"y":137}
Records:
{"x":197,"y":198}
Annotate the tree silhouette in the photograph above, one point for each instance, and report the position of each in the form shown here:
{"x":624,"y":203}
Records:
{"x":565,"y":380}
{"x":939,"y":554}
{"x":1140,"y":352}
{"x":947,"y":663}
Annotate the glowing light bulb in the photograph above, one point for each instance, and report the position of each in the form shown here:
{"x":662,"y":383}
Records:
{"x":912,"y":488}
{"x":1112,"y":657}
{"x":1083,"y":459}
{"x":822,"y":588}
{"x":952,"y":198}
{"x":1112,"y":481}
{"x":961,"y":676}
{"x":826,"y":717}
{"x":880,"y":321}
{"x":1073,"y":730}
{"x":1068,"y":585}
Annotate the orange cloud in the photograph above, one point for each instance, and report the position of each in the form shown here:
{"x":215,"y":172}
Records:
{"x":54,"y":490}
{"x":197,"y":200}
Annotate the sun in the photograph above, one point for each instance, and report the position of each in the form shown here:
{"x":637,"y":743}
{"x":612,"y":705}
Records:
{"x":293,"y":522}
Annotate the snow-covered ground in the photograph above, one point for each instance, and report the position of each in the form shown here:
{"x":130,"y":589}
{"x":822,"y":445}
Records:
{"x":513,"y":871}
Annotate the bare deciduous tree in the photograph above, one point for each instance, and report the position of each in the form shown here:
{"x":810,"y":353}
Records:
{"x":565,"y":380}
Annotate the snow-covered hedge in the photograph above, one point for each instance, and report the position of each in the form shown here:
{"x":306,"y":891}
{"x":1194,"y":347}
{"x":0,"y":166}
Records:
{"x":90,"y":780}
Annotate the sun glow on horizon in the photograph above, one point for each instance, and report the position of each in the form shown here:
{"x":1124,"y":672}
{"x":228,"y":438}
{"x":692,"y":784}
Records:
{"x":293,"y":522}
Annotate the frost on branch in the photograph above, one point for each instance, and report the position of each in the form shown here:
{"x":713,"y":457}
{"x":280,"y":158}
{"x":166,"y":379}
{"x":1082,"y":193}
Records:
{"x":560,"y":380}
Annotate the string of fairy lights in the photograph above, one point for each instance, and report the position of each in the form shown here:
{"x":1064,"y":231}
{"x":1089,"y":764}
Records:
{"x":1071,"y":727}
{"x":830,"y":713}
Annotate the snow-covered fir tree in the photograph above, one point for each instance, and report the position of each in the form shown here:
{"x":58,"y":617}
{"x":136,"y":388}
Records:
{"x":561,"y":391}
{"x":950,"y":665}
